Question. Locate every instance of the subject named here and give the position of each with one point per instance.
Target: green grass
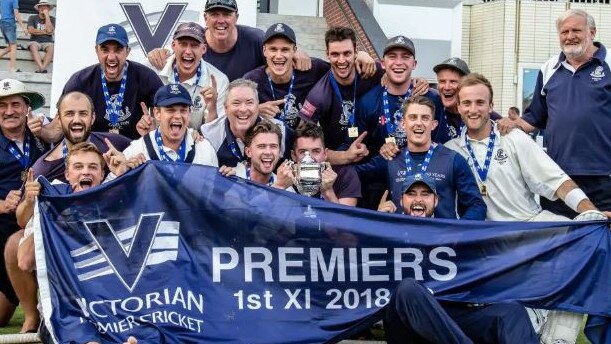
(15, 326)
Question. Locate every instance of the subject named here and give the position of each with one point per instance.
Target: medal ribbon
(482, 172)
(24, 158)
(113, 109)
(182, 150)
(271, 180)
(338, 94)
(197, 79)
(425, 163)
(286, 104)
(390, 123)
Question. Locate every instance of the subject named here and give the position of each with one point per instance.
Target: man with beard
(227, 135)
(414, 313)
(19, 148)
(282, 88)
(206, 84)
(75, 116)
(173, 140)
(572, 102)
(380, 112)
(511, 170)
(449, 73)
(116, 85)
(459, 196)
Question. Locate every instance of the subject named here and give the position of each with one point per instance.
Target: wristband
(574, 197)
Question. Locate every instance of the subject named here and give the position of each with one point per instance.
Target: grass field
(15, 325)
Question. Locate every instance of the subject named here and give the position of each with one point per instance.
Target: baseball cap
(453, 63)
(172, 94)
(229, 5)
(400, 42)
(411, 180)
(280, 30)
(112, 32)
(12, 87)
(191, 30)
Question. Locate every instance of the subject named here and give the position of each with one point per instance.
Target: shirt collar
(599, 55)
(463, 133)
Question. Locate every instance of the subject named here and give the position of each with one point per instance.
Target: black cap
(453, 63)
(191, 30)
(172, 94)
(400, 42)
(280, 30)
(229, 5)
(419, 178)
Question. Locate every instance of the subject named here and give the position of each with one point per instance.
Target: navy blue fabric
(575, 111)
(459, 196)
(414, 316)
(206, 234)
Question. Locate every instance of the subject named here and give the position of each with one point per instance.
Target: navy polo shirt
(456, 187)
(574, 108)
(10, 174)
(244, 56)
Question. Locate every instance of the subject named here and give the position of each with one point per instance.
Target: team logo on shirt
(598, 73)
(290, 117)
(500, 156)
(198, 103)
(452, 131)
(347, 108)
(124, 114)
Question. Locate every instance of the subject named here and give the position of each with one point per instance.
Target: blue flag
(176, 253)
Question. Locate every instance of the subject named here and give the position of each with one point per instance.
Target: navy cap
(280, 30)
(112, 32)
(400, 42)
(418, 178)
(453, 63)
(172, 94)
(229, 5)
(191, 30)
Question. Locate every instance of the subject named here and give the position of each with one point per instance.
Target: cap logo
(452, 61)
(279, 28)
(6, 86)
(400, 40)
(112, 30)
(174, 89)
(418, 176)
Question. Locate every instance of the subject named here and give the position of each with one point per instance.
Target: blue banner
(176, 253)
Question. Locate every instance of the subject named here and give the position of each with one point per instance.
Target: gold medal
(353, 132)
(114, 130)
(483, 191)
(391, 139)
(24, 176)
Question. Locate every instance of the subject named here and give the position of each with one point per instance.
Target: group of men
(254, 104)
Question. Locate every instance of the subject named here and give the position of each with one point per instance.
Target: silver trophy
(308, 175)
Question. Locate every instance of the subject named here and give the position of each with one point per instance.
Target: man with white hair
(572, 102)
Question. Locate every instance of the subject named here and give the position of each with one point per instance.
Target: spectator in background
(10, 17)
(41, 27)
(513, 113)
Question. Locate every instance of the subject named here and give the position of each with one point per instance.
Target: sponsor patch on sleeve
(308, 109)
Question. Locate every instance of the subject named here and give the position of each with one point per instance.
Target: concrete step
(34, 82)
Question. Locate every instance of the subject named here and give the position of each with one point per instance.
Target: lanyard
(271, 179)
(338, 94)
(182, 150)
(24, 158)
(64, 149)
(425, 163)
(197, 79)
(113, 109)
(482, 172)
(288, 95)
(391, 123)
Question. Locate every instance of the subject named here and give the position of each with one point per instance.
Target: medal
(353, 132)
(23, 158)
(113, 109)
(392, 124)
(391, 139)
(24, 176)
(482, 189)
(482, 172)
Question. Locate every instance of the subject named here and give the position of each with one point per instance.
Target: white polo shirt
(204, 153)
(240, 171)
(199, 105)
(519, 169)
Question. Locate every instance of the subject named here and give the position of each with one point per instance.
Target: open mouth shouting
(188, 62)
(176, 128)
(418, 209)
